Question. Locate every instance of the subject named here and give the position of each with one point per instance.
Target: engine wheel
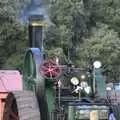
(21, 105)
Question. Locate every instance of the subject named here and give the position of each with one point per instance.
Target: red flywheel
(49, 69)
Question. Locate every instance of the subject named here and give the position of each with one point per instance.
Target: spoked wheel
(21, 106)
(50, 70)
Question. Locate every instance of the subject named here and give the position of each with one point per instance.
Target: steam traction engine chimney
(33, 59)
(36, 31)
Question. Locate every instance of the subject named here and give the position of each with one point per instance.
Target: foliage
(104, 45)
(79, 29)
(12, 34)
(108, 12)
(70, 22)
(91, 27)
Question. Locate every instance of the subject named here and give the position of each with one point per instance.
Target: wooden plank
(94, 115)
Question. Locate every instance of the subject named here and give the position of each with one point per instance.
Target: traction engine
(52, 91)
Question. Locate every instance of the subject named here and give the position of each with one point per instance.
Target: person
(111, 115)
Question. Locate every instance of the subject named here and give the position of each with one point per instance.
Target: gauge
(74, 81)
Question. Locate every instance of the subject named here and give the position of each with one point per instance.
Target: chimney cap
(36, 17)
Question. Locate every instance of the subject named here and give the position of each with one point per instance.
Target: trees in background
(107, 12)
(104, 42)
(71, 20)
(92, 27)
(103, 45)
(12, 35)
(80, 30)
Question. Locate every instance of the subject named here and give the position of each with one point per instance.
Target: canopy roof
(10, 80)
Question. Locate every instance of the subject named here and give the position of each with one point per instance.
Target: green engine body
(56, 97)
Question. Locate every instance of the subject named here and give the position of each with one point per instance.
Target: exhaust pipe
(36, 31)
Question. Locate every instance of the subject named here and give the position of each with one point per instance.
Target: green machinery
(52, 91)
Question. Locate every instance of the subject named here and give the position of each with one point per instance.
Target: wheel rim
(10, 109)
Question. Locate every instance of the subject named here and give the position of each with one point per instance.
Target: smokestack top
(36, 17)
(36, 20)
